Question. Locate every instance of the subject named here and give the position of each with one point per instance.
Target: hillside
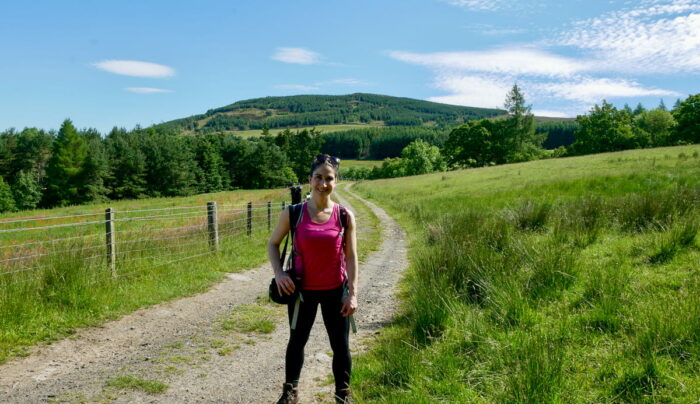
(570, 280)
(314, 110)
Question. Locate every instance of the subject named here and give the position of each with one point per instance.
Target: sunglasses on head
(323, 158)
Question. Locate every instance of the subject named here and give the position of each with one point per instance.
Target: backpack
(295, 214)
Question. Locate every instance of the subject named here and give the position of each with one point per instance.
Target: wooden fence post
(269, 215)
(111, 243)
(212, 226)
(283, 205)
(250, 218)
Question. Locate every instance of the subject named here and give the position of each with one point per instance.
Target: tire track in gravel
(183, 344)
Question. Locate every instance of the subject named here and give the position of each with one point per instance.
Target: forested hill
(311, 110)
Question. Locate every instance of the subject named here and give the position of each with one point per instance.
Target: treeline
(604, 129)
(310, 110)
(47, 169)
(379, 143)
(516, 138)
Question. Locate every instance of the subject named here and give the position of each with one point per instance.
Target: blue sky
(123, 63)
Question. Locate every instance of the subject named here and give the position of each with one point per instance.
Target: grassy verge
(368, 232)
(569, 280)
(69, 284)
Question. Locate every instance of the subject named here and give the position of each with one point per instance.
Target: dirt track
(182, 343)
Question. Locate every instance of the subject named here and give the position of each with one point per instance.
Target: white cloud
(147, 90)
(593, 90)
(550, 113)
(659, 36)
(296, 55)
(473, 91)
(296, 87)
(479, 5)
(512, 61)
(135, 68)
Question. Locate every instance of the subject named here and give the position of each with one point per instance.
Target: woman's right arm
(284, 282)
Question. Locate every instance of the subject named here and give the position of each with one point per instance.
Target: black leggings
(337, 326)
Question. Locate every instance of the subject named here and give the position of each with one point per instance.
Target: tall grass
(68, 284)
(572, 286)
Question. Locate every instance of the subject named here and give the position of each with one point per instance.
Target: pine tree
(65, 168)
(521, 139)
(95, 170)
(640, 108)
(662, 105)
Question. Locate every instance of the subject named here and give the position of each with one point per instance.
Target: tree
(639, 109)
(687, 116)
(603, 129)
(662, 105)
(26, 191)
(677, 104)
(95, 170)
(7, 202)
(300, 147)
(657, 123)
(127, 176)
(521, 137)
(419, 157)
(472, 145)
(64, 171)
(262, 165)
(212, 174)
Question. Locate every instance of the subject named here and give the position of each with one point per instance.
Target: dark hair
(327, 159)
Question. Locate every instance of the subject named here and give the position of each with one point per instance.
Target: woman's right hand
(284, 283)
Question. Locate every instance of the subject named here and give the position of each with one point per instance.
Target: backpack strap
(295, 213)
(343, 217)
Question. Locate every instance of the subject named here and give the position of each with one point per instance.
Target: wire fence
(116, 244)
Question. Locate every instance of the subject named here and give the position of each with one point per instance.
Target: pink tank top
(321, 259)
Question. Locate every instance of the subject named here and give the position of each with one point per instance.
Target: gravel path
(185, 344)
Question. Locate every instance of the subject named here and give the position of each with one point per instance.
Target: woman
(327, 264)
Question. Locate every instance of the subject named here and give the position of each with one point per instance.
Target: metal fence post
(250, 218)
(269, 215)
(212, 226)
(283, 205)
(111, 243)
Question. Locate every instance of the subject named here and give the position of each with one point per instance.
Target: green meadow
(570, 280)
(162, 251)
(345, 164)
(56, 279)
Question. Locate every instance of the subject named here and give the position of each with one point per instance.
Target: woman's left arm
(350, 302)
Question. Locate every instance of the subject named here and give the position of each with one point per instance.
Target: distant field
(571, 280)
(322, 128)
(345, 164)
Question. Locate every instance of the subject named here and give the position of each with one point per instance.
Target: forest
(309, 110)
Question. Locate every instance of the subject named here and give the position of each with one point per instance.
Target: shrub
(531, 215)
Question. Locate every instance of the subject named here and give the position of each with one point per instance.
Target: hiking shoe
(290, 394)
(343, 397)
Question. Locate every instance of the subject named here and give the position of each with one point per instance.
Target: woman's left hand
(349, 305)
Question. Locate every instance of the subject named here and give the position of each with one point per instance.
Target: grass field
(321, 128)
(559, 281)
(56, 279)
(345, 164)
